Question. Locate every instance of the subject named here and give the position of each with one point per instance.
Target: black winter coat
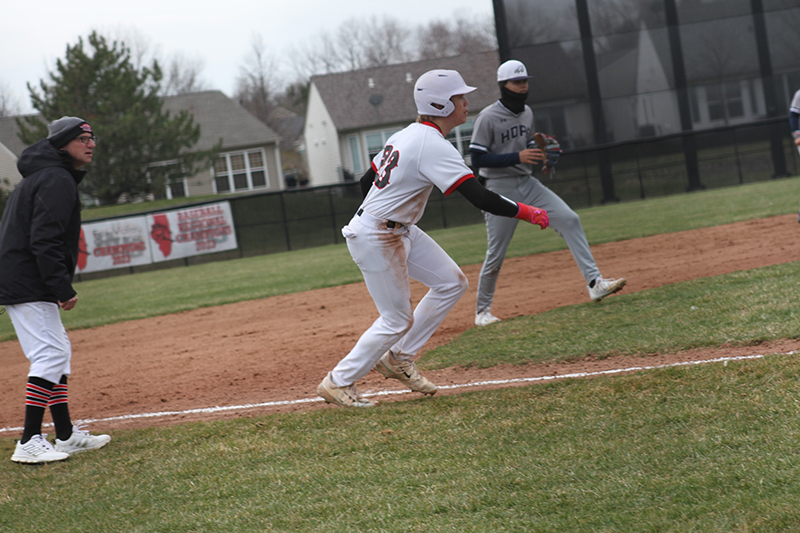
(40, 229)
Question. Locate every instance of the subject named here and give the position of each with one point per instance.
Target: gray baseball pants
(500, 230)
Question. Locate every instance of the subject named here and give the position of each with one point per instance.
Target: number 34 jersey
(412, 162)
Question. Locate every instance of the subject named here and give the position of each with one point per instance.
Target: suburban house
(9, 175)
(351, 114)
(248, 161)
(10, 149)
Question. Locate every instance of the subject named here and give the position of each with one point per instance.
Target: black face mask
(514, 102)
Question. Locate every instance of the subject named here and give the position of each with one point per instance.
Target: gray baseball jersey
(499, 131)
(795, 106)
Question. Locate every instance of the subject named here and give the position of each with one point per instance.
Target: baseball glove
(552, 150)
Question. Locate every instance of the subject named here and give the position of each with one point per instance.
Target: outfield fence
(302, 218)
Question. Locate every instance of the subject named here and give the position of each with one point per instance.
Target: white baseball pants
(388, 258)
(43, 339)
(500, 230)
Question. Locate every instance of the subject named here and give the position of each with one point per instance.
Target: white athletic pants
(500, 230)
(43, 339)
(388, 258)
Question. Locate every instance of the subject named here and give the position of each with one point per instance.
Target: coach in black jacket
(39, 236)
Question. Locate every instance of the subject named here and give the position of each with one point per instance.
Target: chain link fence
(309, 217)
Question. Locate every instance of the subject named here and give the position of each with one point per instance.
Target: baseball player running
(390, 249)
(794, 123)
(504, 147)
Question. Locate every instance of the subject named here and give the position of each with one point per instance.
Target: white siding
(322, 142)
(275, 169)
(8, 168)
(201, 184)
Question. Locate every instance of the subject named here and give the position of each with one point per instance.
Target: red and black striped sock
(37, 395)
(59, 409)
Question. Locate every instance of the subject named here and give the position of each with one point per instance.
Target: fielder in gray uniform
(794, 123)
(503, 147)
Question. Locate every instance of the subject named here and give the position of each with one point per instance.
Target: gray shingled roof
(353, 104)
(9, 134)
(218, 116)
(221, 117)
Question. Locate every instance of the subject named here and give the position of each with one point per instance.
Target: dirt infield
(279, 348)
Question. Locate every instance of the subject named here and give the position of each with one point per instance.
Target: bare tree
(386, 42)
(435, 40)
(347, 50)
(462, 36)
(258, 81)
(356, 44)
(183, 76)
(9, 105)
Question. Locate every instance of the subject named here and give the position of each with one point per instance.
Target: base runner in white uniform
(390, 249)
(503, 147)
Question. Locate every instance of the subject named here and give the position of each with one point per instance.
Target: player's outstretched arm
(486, 160)
(493, 203)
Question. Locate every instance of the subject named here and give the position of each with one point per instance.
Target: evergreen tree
(122, 105)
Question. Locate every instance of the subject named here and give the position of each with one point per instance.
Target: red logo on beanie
(86, 127)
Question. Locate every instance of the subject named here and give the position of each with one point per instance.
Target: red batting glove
(534, 215)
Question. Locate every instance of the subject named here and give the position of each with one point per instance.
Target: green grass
(742, 308)
(161, 292)
(709, 448)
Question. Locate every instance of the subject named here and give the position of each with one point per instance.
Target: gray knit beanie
(63, 130)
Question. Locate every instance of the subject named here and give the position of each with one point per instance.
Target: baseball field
(672, 406)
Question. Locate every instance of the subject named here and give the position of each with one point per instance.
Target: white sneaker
(342, 396)
(37, 450)
(81, 441)
(484, 318)
(604, 287)
(406, 372)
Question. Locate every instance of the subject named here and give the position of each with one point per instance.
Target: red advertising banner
(142, 240)
(193, 231)
(114, 244)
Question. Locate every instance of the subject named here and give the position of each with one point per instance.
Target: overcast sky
(220, 34)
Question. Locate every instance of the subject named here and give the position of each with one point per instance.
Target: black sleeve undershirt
(366, 182)
(474, 192)
(487, 200)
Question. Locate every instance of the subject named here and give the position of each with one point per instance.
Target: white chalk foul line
(218, 409)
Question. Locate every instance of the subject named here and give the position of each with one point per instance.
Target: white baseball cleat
(37, 450)
(604, 287)
(484, 318)
(406, 372)
(81, 441)
(342, 396)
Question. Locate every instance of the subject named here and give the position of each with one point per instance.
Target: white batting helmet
(512, 70)
(433, 90)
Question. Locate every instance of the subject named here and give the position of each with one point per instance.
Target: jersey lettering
(514, 132)
(389, 161)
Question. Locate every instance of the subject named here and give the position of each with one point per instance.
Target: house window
(355, 154)
(460, 136)
(376, 141)
(240, 171)
(725, 101)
